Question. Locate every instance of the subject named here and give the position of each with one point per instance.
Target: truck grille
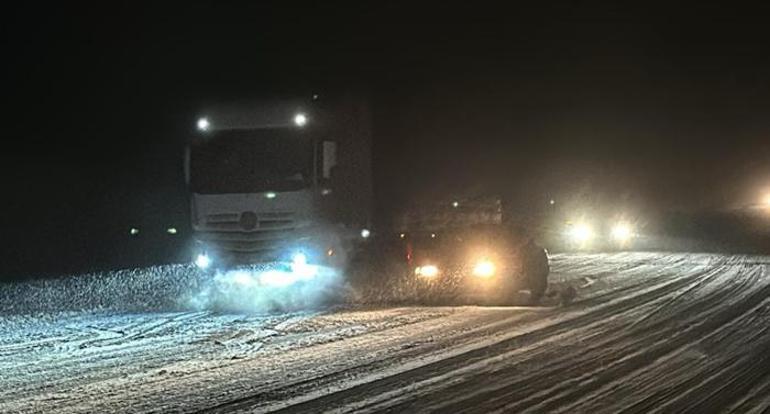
(257, 236)
(250, 221)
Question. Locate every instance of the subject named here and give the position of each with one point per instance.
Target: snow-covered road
(646, 332)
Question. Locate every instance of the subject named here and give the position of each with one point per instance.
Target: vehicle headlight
(426, 271)
(580, 233)
(622, 232)
(484, 268)
(299, 259)
(203, 261)
(300, 266)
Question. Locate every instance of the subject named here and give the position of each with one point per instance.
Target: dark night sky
(665, 106)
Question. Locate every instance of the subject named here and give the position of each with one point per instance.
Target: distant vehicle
(285, 182)
(465, 244)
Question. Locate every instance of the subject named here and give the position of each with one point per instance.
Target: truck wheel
(538, 284)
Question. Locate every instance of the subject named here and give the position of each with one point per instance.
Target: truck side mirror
(328, 158)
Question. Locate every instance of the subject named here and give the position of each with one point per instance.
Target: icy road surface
(646, 332)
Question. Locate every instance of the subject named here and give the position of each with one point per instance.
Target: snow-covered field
(645, 332)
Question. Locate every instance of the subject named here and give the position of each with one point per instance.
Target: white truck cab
(279, 182)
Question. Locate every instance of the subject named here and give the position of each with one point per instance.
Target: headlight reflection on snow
(426, 271)
(286, 286)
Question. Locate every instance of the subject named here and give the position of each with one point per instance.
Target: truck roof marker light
(203, 124)
(300, 120)
(271, 195)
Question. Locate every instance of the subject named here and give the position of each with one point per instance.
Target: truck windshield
(249, 161)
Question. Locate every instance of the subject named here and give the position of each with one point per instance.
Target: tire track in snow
(477, 394)
(647, 322)
(628, 301)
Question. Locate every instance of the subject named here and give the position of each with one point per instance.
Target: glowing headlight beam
(300, 120)
(301, 268)
(580, 233)
(484, 268)
(299, 259)
(426, 271)
(621, 232)
(203, 261)
(203, 124)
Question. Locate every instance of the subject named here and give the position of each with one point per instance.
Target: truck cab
(279, 182)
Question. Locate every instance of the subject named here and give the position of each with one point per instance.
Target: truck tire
(535, 271)
(538, 283)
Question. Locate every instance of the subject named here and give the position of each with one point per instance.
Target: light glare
(203, 124)
(243, 279)
(484, 268)
(300, 268)
(300, 120)
(580, 233)
(621, 232)
(426, 271)
(299, 259)
(202, 261)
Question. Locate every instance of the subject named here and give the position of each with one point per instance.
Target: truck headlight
(622, 232)
(484, 268)
(299, 259)
(426, 271)
(203, 261)
(300, 267)
(580, 233)
(300, 119)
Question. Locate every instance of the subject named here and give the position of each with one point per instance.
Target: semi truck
(288, 184)
(282, 182)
